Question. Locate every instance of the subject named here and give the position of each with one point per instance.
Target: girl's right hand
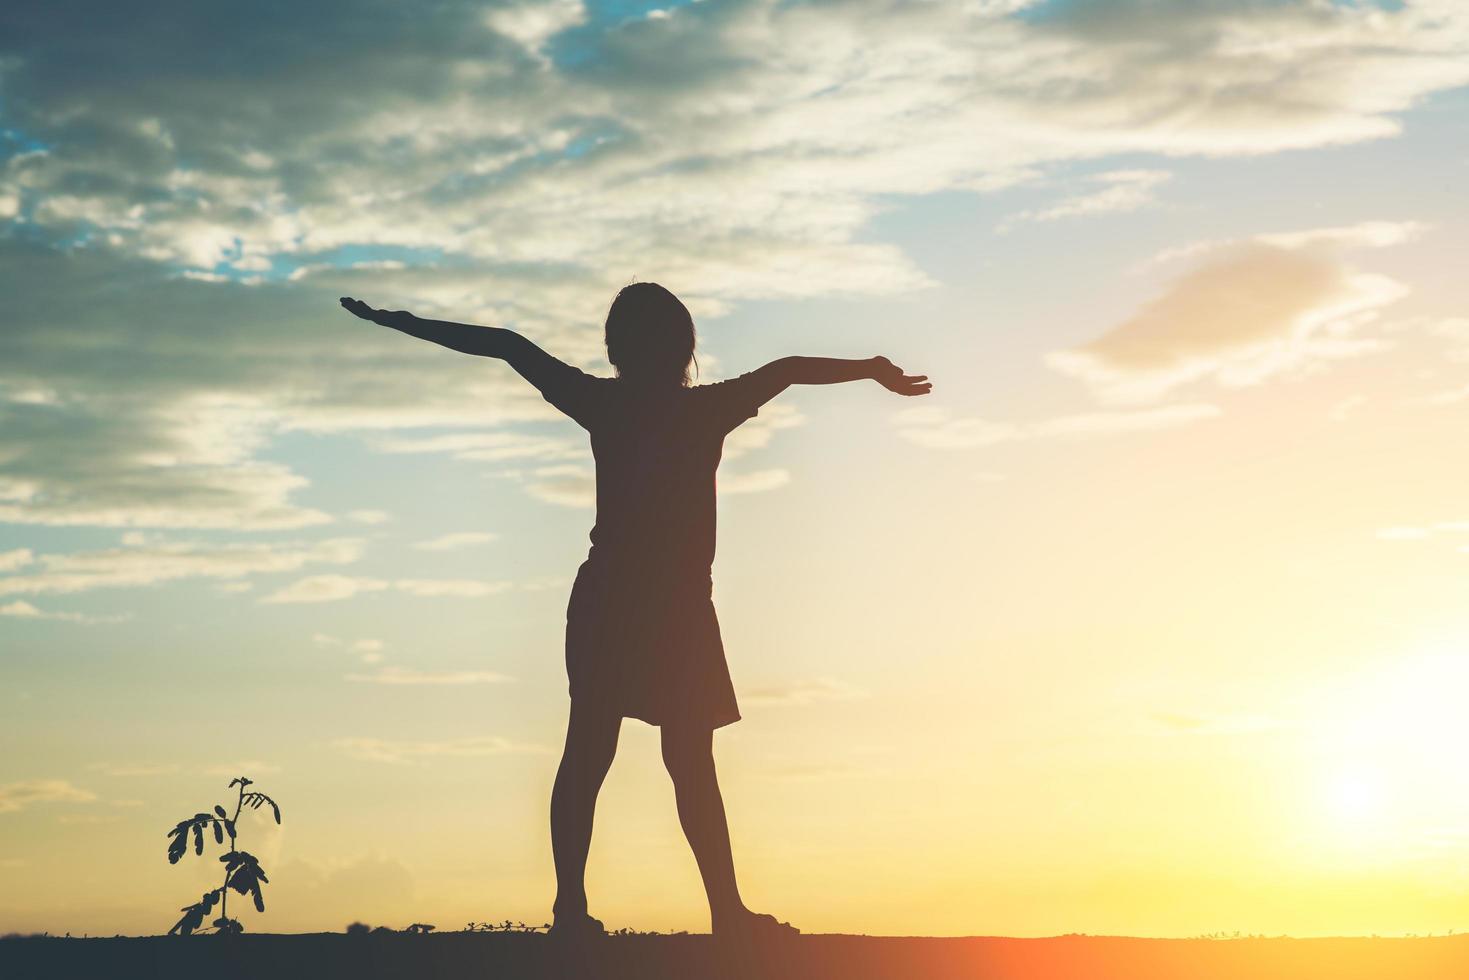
(891, 377)
(358, 308)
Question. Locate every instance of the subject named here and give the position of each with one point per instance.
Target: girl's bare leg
(591, 742)
(689, 755)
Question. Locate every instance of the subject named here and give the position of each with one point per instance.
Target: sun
(1389, 756)
(1355, 795)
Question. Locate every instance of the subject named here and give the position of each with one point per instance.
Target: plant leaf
(180, 841)
(219, 810)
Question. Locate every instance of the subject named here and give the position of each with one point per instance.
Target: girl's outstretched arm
(777, 376)
(528, 360)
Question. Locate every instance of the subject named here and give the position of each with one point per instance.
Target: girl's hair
(650, 334)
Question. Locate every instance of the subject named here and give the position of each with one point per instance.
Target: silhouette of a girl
(642, 640)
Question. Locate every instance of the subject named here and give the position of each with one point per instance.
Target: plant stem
(224, 889)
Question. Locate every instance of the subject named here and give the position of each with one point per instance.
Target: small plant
(241, 871)
(506, 926)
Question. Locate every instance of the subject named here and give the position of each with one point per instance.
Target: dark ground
(478, 955)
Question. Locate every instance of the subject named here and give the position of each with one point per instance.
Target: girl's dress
(642, 637)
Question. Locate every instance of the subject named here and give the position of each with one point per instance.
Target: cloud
(15, 797)
(1248, 311)
(1346, 407)
(249, 767)
(459, 588)
(758, 432)
(1422, 532)
(369, 517)
(756, 481)
(802, 772)
(803, 692)
(172, 388)
(16, 558)
(391, 751)
(332, 588)
(535, 22)
(325, 588)
(170, 304)
(576, 486)
(567, 486)
(21, 609)
(936, 427)
(1176, 723)
(487, 447)
(164, 560)
(136, 770)
(406, 676)
(457, 541)
(326, 893)
(1121, 190)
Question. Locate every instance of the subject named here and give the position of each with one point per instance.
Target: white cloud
(249, 767)
(162, 561)
(25, 610)
(15, 797)
(370, 517)
(1402, 533)
(758, 432)
(1121, 190)
(755, 481)
(1422, 532)
(1247, 311)
(1345, 408)
(486, 447)
(16, 558)
(935, 427)
(1177, 723)
(568, 486)
(739, 148)
(803, 692)
(408, 677)
(457, 541)
(456, 587)
(533, 22)
(325, 588)
(392, 751)
(333, 588)
(136, 770)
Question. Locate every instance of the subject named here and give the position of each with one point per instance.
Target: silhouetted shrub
(242, 872)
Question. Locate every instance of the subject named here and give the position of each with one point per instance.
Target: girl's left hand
(358, 308)
(891, 377)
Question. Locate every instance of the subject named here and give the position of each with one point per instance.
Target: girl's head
(650, 335)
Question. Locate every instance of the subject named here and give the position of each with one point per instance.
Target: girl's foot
(753, 926)
(576, 927)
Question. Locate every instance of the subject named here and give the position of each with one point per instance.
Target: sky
(1149, 620)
